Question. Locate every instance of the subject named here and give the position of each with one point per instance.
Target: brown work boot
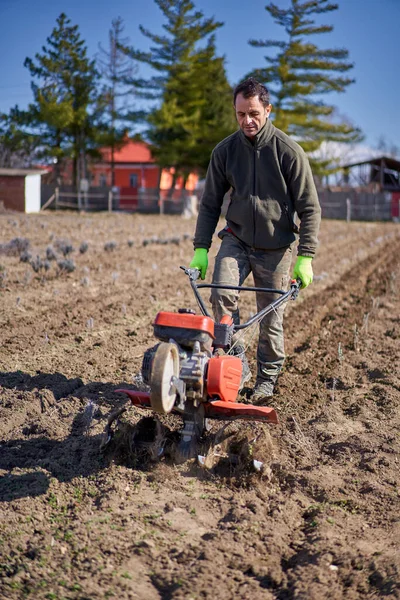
(263, 391)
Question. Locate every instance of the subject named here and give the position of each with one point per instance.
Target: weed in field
(68, 535)
(393, 287)
(39, 265)
(126, 575)
(334, 383)
(25, 256)
(78, 494)
(65, 266)
(3, 276)
(340, 353)
(299, 438)
(88, 413)
(64, 247)
(83, 247)
(364, 327)
(27, 278)
(376, 302)
(50, 254)
(110, 246)
(92, 491)
(52, 500)
(15, 247)
(347, 505)
(355, 339)
(131, 243)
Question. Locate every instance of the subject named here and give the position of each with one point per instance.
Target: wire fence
(106, 199)
(358, 206)
(349, 205)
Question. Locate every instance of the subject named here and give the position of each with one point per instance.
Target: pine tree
(117, 71)
(300, 73)
(190, 81)
(67, 108)
(195, 114)
(218, 118)
(17, 148)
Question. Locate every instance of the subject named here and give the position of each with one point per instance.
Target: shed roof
(21, 172)
(386, 161)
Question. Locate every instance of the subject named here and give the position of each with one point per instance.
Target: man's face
(251, 114)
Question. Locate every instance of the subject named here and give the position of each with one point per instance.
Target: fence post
(57, 196)
(110, 199)
(348, 210)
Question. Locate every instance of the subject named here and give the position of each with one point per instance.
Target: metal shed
(368, 190)
(379, 174)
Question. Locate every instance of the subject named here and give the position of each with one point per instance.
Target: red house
(139, 179)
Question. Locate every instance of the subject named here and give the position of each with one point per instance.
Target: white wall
(32, 193)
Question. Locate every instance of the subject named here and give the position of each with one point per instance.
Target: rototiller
(191, 370)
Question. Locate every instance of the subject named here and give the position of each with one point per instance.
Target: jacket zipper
(292, 224)
(254, 194)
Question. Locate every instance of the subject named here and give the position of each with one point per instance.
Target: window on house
(133, 180)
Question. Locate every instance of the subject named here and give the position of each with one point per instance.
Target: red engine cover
(223, 377)
(186, 321)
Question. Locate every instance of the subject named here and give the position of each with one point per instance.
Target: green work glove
(303, 270)
(200, 261)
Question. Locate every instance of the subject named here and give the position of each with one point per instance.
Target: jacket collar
(262, 137)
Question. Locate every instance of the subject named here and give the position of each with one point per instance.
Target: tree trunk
(184, 182)
(172, 188)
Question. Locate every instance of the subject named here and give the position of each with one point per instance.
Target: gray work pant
(234, 262)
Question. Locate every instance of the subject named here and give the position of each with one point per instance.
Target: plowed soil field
(321, 521)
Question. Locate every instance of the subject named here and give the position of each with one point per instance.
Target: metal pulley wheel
(165, 366)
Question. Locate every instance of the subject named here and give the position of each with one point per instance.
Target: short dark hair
(249, 88)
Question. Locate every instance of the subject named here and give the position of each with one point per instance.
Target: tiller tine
(137, 398)
(195, 418)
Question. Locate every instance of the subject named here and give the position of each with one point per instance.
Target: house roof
(385, 161)
(21, 172)
(131, 152)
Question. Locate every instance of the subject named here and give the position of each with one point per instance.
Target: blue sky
(367, 28)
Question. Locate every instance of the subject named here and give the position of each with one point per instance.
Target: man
(270, 180)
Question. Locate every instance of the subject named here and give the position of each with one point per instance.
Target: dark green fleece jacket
(270, 181)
